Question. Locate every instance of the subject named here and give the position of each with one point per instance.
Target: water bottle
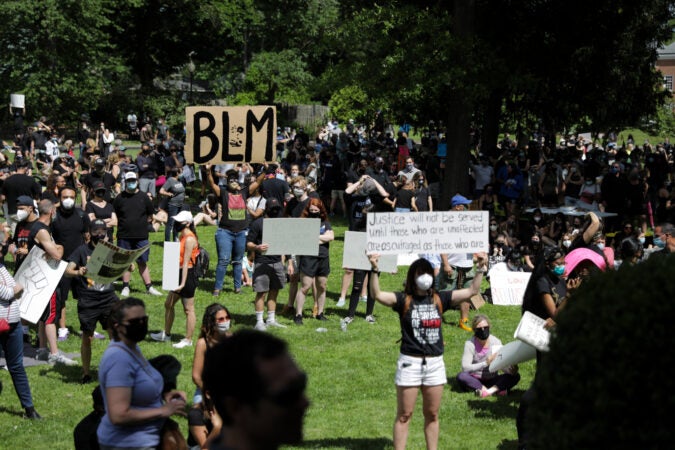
(321, 330)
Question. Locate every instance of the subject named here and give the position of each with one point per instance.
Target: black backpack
(202, 261)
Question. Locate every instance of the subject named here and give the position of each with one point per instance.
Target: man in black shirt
(15, 186)
(269, 275)
(271, 186)
(98, 174)
(134, 212)
(94, 299)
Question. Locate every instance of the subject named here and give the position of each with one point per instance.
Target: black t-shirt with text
(421, 332)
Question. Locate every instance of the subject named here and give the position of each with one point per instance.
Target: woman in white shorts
(420, 363)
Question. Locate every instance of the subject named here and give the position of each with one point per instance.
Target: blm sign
(230, 134)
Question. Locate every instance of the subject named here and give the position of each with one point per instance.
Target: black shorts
(52, 312)
(314, 266)
(191, 283)
(90, 316)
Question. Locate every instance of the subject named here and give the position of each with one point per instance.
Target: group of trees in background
(516, 65)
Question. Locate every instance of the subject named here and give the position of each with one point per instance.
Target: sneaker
(363, 299)
(348, 320)
(63, 334)
(161, 337)
(321, 317)
(32, 414)
(60, 358)
(98, 335)
(298, 319)
(503, 393)
(42, 354)
(464, 325)
(260, 326)
(275, 324)
(237, 290)
(370, 318)
(153, 291)
(340, 303)
(125, 291)
(215, 293)
(482, 393)
(182, 344)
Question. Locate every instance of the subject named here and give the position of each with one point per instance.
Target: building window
(668, 82)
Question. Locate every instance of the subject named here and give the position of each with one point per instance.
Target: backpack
(201, 264)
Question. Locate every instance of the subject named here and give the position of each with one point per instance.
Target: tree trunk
(456, 174)
(490, 132)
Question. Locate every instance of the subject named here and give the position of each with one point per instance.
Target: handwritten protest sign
(108, 262)
(230, 134)
(291, 236)
(39, 275)
(427, 232)
(507, 287)
(354, 255)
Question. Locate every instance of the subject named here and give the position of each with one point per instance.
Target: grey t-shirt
(177, 188)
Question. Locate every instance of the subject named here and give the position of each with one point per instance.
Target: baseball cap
(98, 186)
(183, 216)
(130, 176)
(99, 162)
(460, 200)
(97, 224)
(24, 200)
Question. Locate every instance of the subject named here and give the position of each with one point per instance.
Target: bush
(605, 382)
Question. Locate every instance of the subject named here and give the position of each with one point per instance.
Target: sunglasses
(137, 321)
(289, 394)
(482, 328)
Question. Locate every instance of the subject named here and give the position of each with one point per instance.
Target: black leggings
(357, 286)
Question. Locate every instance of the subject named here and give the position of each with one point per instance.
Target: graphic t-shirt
(421, 333)
(234, 210)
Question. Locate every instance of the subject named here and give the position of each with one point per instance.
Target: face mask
(559, 270)
(641, 240)
(361, 170)
(482, 333)
(314, 214)
(424, 282)
(68, 203)
(100, 194)
(22, 214)
(409, 166)
(600, 246)
(95, 238)
(280, 176)
(298, 192)
(537, 219)
(493, 227)
(535, 243)
(223, 327)
(131, 186)
(566, 243)
(294, 174)
(660, 243)
(136, 331)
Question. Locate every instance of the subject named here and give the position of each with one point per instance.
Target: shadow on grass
(508, 445)
(349, 443)
(68, 374)
(12, 411)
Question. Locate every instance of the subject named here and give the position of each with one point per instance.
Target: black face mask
(179, 226)
(95, 238)
(482, 333)
(314, 215)
(136, 330)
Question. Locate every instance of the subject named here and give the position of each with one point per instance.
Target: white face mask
(21, 214)
(566, 243)
(68, 203)
(424, 282)
(493, 227)
(224, 326)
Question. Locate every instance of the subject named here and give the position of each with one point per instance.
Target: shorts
(190, 287)
(269, 277)
(89, 317)
(411, 372)
(52, 312)
(134, 244)
(337, 194)
(313, 266)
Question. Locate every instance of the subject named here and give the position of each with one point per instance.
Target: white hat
(183, 216)
(130, 176)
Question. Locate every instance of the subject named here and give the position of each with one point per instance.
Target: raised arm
(386, 298)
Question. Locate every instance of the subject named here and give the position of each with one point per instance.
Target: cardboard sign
(171, 272)
(108, 262)
(427, 232)
(354, 255)
(508, 287)
(291, 236)
(230, 134)
(39, 275)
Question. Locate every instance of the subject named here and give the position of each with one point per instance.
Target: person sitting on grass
(479, 351)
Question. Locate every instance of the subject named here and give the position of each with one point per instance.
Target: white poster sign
(17, 100)
(427, 232)
(108, 262)
(171, 266)
(292, 236)
(531, 330)
(507, 287)
(39, 275)
(354, 255)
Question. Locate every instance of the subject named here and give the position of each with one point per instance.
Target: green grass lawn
(351, 386)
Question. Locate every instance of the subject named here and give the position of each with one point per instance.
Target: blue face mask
(660, 243)
(559, 270)
(641, 240)
(131, 185)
